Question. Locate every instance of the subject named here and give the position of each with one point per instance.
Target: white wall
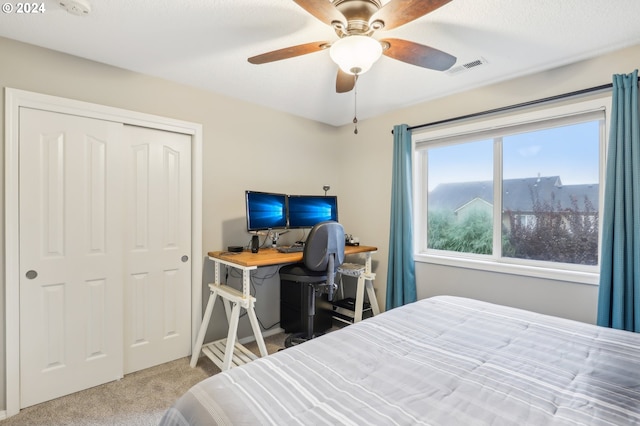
(249, 147)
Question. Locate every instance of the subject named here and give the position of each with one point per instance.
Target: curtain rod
(510, 107)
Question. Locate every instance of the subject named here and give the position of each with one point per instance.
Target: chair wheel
(294, 340)
(298, 338)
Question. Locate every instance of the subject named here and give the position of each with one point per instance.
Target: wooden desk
(271, 256)
(226, 353)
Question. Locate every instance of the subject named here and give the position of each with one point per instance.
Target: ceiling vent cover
(466, 67)
(76, 7)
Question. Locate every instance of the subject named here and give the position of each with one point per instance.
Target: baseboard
(3, 414)
(248, 339)
(267, 333)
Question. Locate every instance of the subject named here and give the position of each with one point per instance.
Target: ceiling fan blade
(345, 82)
(289, 52)
(324, 10)
(399, 12)
(418, 54)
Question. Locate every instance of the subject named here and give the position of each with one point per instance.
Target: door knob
(185, 258)
(31, 274)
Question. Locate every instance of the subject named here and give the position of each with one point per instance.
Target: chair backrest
(324, 251)
(325, 242)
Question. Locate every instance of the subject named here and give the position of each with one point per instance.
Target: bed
(439, 361)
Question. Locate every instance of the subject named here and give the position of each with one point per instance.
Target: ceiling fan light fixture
(355, 54)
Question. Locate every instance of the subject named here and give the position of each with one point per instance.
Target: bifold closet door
(71, 227)
(158, 247)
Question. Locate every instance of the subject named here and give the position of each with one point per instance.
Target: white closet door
(158, 248)
(70, 254)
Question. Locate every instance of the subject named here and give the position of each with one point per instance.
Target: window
(519, 193)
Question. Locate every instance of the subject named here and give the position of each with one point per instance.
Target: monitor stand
(275, 236)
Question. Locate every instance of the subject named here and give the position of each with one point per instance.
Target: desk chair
(323, 254)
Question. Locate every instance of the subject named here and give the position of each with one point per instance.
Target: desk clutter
(296, 248)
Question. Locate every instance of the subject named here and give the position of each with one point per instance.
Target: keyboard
(290, 249)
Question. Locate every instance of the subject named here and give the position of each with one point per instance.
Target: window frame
(443, 134)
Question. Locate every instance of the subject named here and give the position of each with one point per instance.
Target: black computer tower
(294, 308)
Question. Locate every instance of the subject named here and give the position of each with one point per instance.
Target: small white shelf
(215, 352)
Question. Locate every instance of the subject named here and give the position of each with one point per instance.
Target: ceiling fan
(355, 21)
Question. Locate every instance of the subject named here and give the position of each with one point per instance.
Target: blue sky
(570, 152)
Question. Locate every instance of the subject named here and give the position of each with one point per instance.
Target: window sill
(580, 277)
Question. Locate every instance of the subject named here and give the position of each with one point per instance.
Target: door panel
(71, 236)
(158, 238)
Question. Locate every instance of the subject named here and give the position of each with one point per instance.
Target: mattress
(439, 361)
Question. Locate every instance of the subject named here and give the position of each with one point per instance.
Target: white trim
(520, 118)
(12, 250)
(493, 265)
(14, 100)
(251, 338)
(446, 134)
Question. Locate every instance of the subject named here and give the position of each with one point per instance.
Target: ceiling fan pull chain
(355, 105)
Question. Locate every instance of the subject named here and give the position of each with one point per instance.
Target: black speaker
(255, 243)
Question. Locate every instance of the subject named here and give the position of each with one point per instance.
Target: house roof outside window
(519, 195)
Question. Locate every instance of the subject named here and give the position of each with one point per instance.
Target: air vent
(466, 67)
(76, 7)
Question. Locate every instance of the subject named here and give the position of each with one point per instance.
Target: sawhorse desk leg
(227, 352)
(195, 354)
(365, 282)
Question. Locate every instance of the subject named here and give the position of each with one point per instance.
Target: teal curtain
(401, 277)
(619, 292)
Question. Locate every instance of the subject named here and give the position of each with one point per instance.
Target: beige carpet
(140, 398)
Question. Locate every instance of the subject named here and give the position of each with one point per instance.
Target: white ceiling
(206, 43)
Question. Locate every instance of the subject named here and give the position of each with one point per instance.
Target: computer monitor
(307, 210)
(265, 210)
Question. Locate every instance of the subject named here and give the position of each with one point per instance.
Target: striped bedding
(439, 361)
